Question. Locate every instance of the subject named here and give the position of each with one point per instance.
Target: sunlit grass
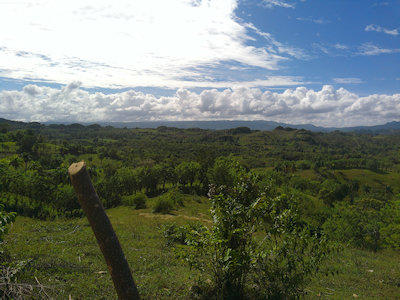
(64, 256)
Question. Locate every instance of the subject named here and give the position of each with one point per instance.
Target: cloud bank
(326, 107)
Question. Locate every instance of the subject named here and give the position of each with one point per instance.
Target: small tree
(26, 142)
(275, 262)
(225, 171)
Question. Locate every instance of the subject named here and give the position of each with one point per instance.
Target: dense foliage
(348, 182)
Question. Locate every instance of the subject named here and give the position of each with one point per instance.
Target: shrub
(179, 234)
(6, 218)
(138, 200)
(241, 263)
(65, 198)
(168, 202)
(175, 197)
(163, 205)
(26, 206)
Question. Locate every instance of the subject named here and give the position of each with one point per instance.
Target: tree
(226, 171)
(26, 142)
(4, 127)
(148, 178)
(166, 173)
(187, 172)
(359, 224)
(126, 180)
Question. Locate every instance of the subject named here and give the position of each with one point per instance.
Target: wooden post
(104, 232)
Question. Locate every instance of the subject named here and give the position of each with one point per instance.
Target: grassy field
(63, 255)
(368, 177)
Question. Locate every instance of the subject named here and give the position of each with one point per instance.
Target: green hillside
(203, 213)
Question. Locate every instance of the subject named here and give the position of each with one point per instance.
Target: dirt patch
(169, 217)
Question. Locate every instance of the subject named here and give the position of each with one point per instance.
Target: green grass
(366, 274)
(309, 174)
(371, 178)
(65, 256)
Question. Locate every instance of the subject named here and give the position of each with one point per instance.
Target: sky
(325, 62)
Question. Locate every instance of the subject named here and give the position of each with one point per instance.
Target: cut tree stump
(104, 232)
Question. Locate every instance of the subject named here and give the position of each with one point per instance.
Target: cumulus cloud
(127, 43)
(327, 107)
(377, 28)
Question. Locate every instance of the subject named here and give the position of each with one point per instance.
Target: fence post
(104, 232)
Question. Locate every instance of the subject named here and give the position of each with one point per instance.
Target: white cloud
(280, 3)
(377, 28)
(321, 47)
(371, 49)
(347, 80)
(277, 47)
(126, 43)
(340, 46)
(313, 20)
(328, 106)
(380, 3)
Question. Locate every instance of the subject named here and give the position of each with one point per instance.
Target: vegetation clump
(168, 202)
(137, 201)
(257, 245)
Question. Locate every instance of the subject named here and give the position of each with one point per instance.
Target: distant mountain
(253, 125)
(21, 125)
(385, 128)
(211, 125)
(219, 125)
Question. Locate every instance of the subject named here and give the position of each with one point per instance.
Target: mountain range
(220, 125)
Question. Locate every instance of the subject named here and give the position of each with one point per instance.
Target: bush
(65, 198)
(26, 206)
(5, 220)
(138, 200)
(163, 205)
(241, 263)
(168, 202)
(179, 234)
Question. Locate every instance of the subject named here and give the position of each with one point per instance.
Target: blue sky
(335, 36)
(333, 63)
